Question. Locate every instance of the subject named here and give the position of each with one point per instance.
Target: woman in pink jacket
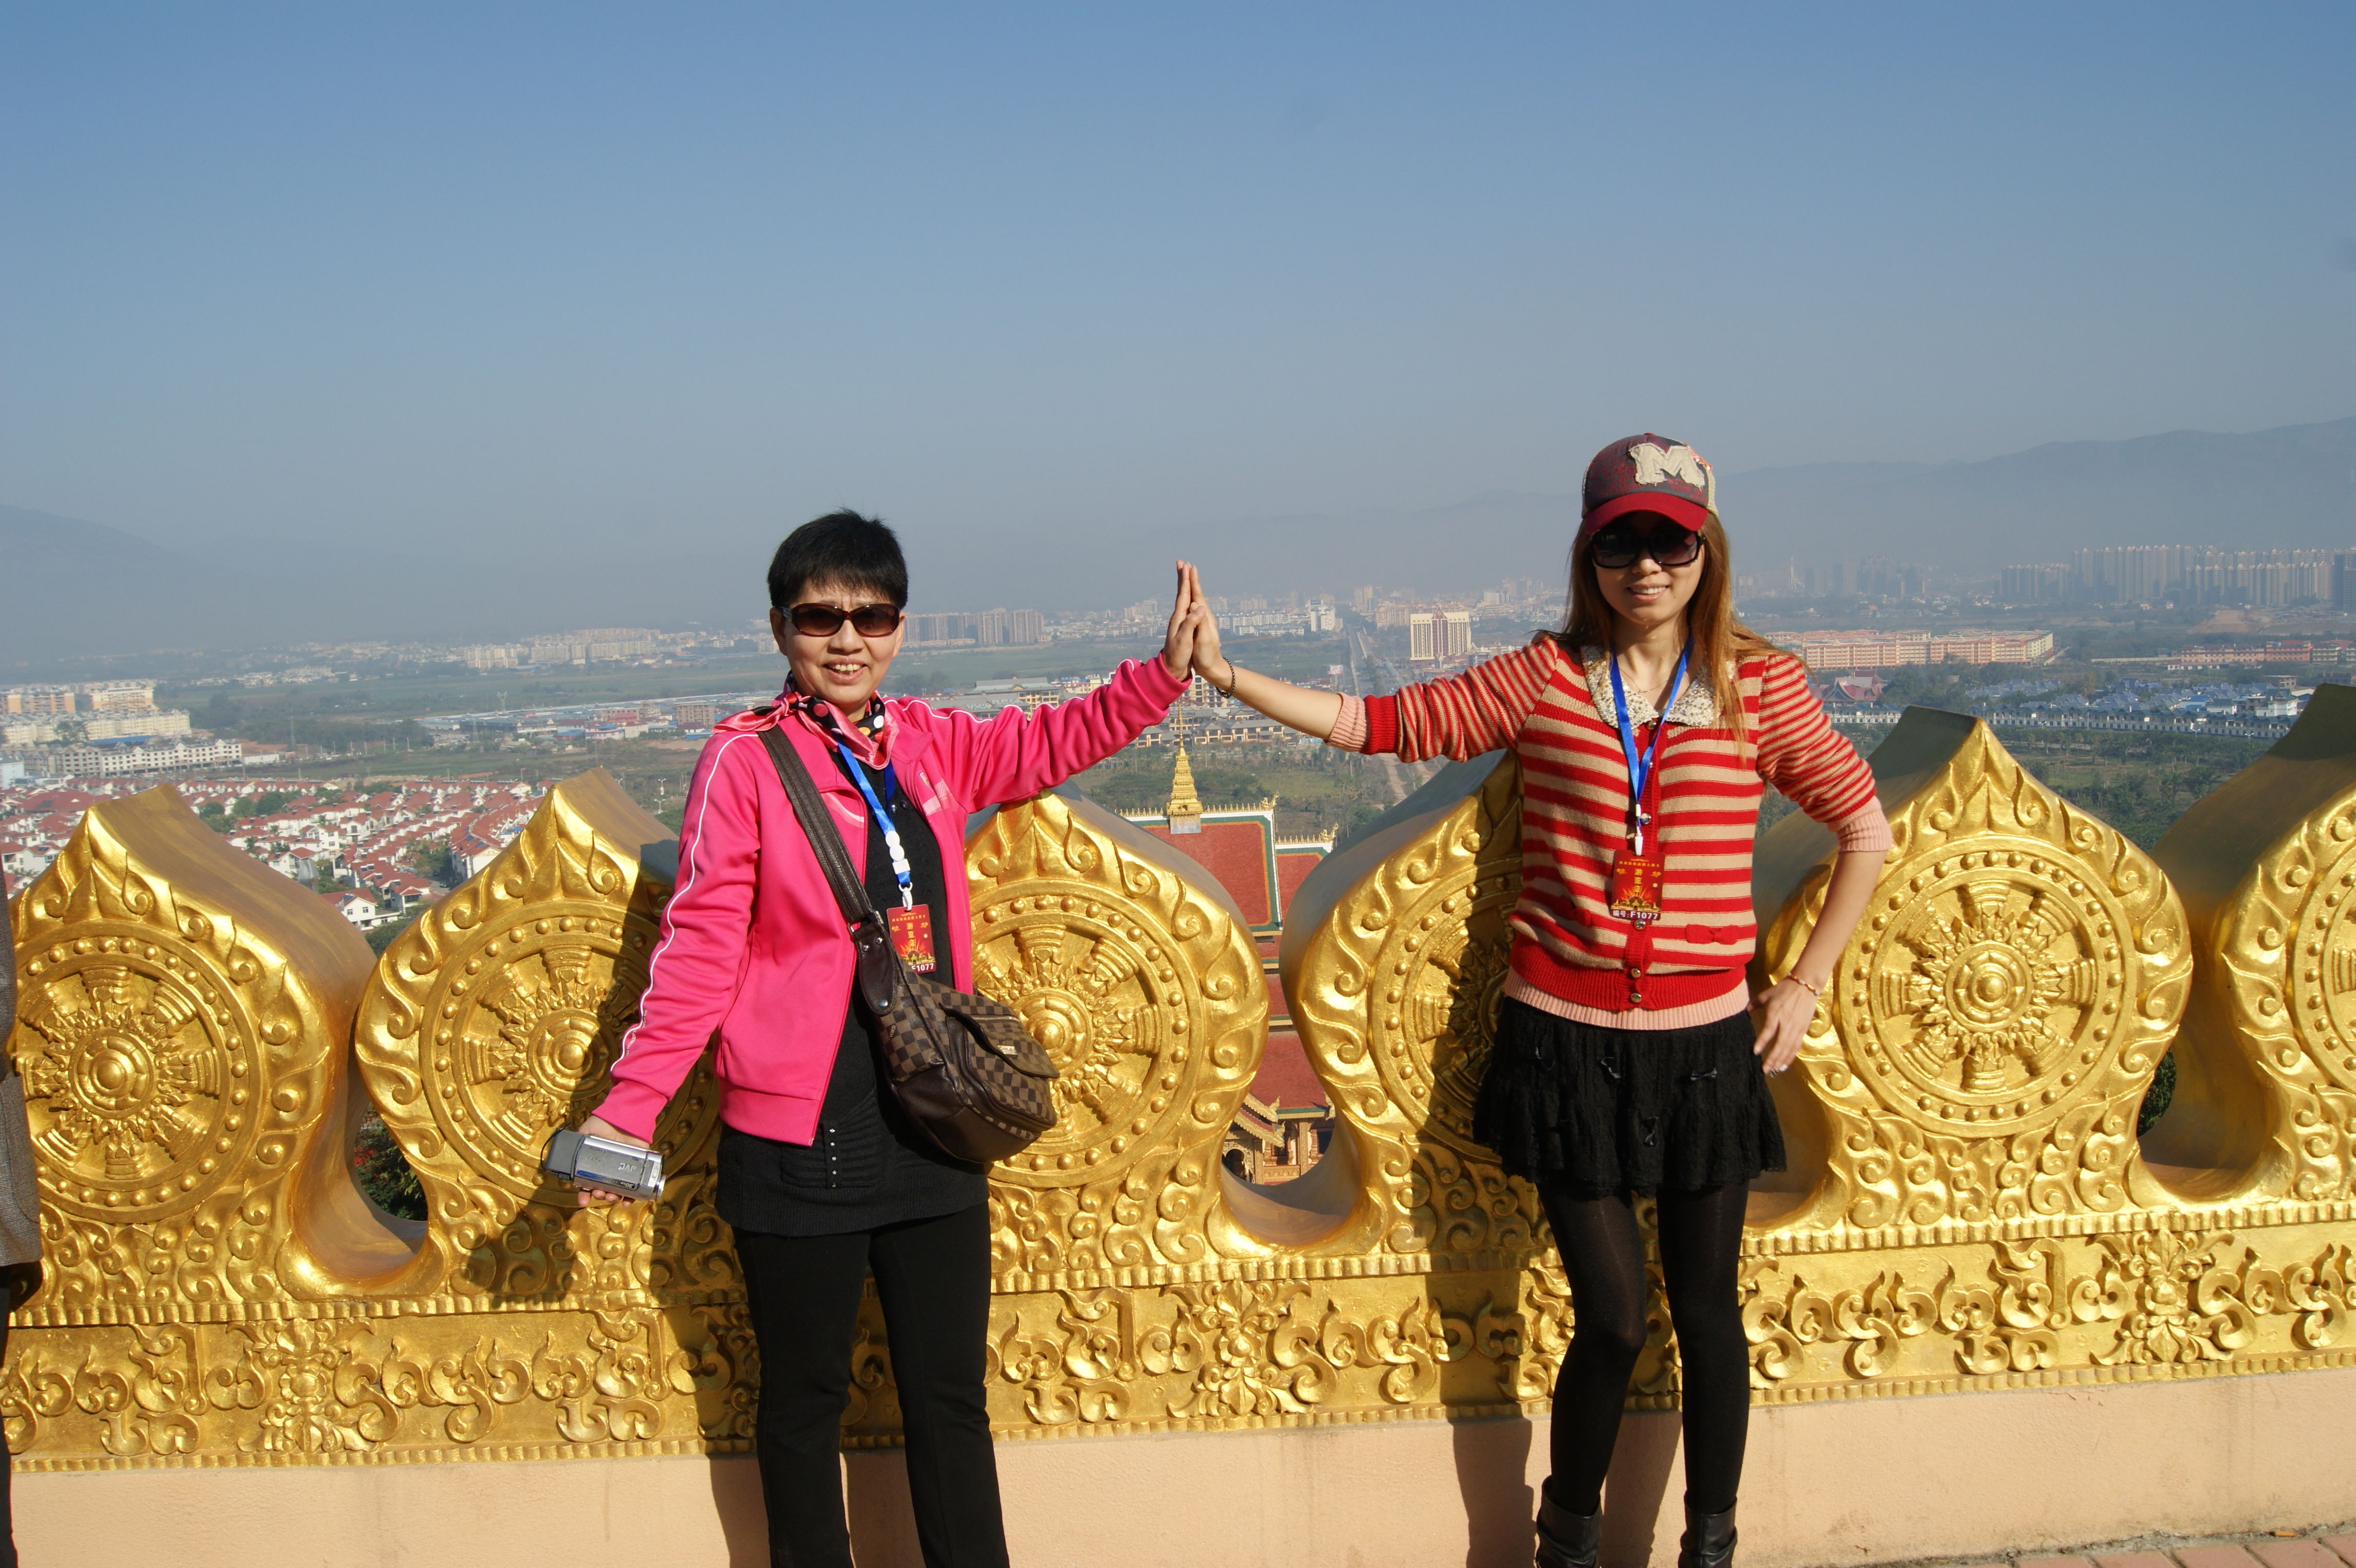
(821, 1175)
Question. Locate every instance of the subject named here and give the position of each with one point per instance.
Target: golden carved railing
(1968, 1205)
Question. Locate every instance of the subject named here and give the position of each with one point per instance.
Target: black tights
(1701, 1238)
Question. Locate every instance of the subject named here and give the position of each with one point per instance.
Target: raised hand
(1207, 663)
(1186, 616)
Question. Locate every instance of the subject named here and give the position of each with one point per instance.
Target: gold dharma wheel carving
(1992, 994)
(180, 1015)
(139, 1073)
(1126, 964)
(493, 1019)
(1102, 995)
(1999, 1011)
(526, 1021)
(2322, 927)
(1440, 961)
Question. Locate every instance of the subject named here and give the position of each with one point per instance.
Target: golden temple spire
(1185, 810)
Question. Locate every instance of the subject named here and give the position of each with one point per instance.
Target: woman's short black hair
(840, 547)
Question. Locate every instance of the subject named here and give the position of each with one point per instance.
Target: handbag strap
(878, 964)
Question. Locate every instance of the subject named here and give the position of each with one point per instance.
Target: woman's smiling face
(843, 668)
(1644, 593)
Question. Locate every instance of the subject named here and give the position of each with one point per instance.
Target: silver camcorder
(603, 1163)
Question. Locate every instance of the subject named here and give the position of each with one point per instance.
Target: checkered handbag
(963, 1068)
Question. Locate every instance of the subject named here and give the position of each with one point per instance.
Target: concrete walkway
(2322, 1546)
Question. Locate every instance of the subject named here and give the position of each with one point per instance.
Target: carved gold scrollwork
(1967, 1206)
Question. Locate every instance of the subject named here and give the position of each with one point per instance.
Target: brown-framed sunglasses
(825, 620)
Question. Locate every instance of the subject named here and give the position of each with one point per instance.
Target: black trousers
(933, 1276)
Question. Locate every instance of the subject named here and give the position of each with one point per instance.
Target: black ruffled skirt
(1594, 1112)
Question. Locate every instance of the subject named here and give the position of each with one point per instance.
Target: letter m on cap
(1658, 464)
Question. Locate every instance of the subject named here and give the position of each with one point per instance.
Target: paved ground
(2322, 1546)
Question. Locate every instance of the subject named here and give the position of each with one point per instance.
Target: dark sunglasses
(825, 620)
(1667, 544)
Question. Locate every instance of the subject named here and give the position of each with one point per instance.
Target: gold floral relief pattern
(1969, 1208)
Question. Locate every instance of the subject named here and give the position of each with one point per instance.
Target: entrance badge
(1636, 891)
(912, 936)
(1634, 894)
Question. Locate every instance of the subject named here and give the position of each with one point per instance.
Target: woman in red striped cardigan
(1629, 1053)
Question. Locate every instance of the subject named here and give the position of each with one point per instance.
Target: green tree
(381, 938)
(430, 858)
(384, 1172)
(71, 731)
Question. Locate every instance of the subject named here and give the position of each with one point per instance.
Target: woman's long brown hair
(1720, 642)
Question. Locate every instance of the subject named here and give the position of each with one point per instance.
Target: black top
(868, 1166)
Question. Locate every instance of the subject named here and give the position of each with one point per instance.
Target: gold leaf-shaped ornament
(182, 1023)
(1136, 973)
(493, 1020)
(1993, 1022)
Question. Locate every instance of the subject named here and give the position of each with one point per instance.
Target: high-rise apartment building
(1002, 628)
(2343, 579)
(935, 631)
(2202, 574)
(1457, 625)
(2035, 583)
(1362, 600)
(1419, 649)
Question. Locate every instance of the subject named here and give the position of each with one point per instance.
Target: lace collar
(1697, 705)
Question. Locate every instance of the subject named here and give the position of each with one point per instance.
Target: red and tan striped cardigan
(1569, 955)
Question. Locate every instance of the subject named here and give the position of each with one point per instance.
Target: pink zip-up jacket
(753, 944)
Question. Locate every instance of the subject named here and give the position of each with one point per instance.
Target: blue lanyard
(883, 819)
(1640, 764)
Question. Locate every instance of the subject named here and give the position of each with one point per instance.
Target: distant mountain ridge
(114, 592)
(2293, 487)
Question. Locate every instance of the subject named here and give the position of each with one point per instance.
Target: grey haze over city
(442, 322)
(2289, 488)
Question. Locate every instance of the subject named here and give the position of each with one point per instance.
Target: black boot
(1710, 1540)
(1567, 1540)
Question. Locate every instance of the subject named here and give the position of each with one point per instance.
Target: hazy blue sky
(515, 272)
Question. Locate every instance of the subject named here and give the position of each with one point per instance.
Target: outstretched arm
(1296, 707)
